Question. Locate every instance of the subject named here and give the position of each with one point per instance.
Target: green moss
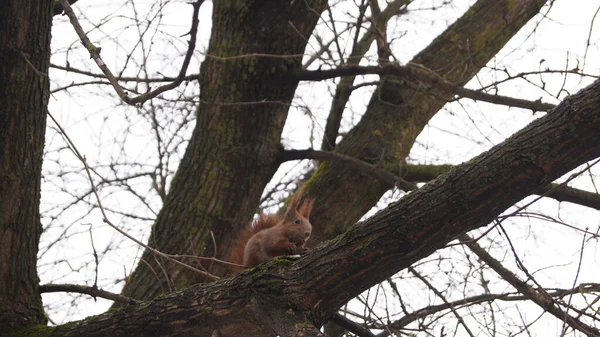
(112, 309)
(302, 327)
(182, 283)
(513, 4)
(322, 170)
(282, 261)
(44, 331)
(254, 272)
(36, 331)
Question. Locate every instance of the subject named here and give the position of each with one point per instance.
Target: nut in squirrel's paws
(298, 254)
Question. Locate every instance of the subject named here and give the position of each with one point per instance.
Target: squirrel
(274, 235)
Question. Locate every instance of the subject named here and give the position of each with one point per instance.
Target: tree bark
(399, 110)
(232, 154)
(283, 297)
(24, 92)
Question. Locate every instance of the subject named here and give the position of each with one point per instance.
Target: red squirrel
(274, 235)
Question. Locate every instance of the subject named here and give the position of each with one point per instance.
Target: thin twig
(92, 291)
(95, 55)
(95, 257)
(105, 217)
(539, 296)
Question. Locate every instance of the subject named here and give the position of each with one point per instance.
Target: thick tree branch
(425, 173)
(24, 92)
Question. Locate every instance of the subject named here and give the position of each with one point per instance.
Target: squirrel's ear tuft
(306, 207)
(291, 211)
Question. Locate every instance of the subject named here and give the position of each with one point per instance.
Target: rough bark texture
(282, 298)
(397, 112)
(24, 92)
(232, 153)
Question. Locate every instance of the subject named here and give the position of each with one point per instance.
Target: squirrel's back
(264, 221)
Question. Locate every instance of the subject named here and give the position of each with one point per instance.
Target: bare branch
(58, 8)
(92, 291)
(427, 77)
(360, 165)
(95, 54)
(472, 300)
(193, 77)
(538, 296)
(351, 326)
(105, 217)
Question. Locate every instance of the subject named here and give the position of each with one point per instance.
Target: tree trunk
(294, 298)
(397, 112)
(232, 155)
(24, 92)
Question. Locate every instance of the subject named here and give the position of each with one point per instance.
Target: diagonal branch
(425, 77)
(538, 296)
(170, 257)
(58, 7)
(443, 298)
(432, 309)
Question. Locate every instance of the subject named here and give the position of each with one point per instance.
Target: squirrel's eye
(297, 222)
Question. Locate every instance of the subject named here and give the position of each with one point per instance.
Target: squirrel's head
(297, 216)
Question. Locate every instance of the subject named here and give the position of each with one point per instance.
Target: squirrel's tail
(264, 221)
